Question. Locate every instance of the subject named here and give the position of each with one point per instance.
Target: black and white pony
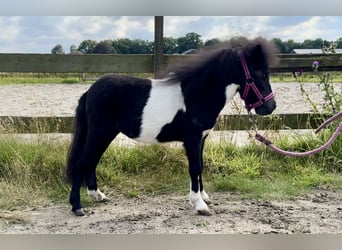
(181, 107)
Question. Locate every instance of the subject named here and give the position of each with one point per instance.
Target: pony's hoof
(98, 195)
(204, 212)
(207, 201)
(105, 199)
(79, 212)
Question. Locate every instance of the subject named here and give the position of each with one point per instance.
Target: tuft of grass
(255, 171)
(144, 169)
(30, 171)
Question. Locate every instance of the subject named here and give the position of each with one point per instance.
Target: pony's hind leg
(96, 143)
(92, 188)
(77, 178)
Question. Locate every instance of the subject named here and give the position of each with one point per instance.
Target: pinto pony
(181, 107)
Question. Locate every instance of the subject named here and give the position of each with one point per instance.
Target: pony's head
(240, 61)
(255, 89)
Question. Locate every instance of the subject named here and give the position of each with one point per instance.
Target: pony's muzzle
(266, 108)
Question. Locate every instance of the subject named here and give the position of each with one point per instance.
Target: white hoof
(197, 201)
(205, 197)
(204, 212)
(98, 195)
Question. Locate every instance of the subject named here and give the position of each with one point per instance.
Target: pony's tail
(79, 137)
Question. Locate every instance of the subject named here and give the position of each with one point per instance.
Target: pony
(182, 106)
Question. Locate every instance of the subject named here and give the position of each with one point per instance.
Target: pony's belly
(160, 130)
(149, 136)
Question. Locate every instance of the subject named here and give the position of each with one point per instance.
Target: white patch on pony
(163, 104)
(206, 132)
(231, 90)
(97, 195)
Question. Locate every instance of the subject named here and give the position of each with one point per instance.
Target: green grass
(29, 78)
(254, 171)
(32, 78)
(32, 172)
(312, 77)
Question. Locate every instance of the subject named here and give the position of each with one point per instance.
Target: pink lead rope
(251, 85)
(311, 152)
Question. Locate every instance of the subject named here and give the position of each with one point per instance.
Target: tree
(339, 42)
(212, 42)
(139, 46)
(191, 40)
(73, 49)
(136, 46)
(291, 45)
(122, 45)
(170, 45)
(280, 45)
(58, 49)
(104, 47)
(87, 46)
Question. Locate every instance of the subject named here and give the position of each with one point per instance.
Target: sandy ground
(317, 212)
(61, 99)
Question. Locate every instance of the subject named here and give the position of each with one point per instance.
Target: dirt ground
(318, 212)
(62, 99)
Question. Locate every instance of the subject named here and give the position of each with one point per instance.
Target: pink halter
(250, 85)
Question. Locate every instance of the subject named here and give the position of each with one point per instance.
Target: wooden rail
(140, 63)
(49, 63)
(17, 124)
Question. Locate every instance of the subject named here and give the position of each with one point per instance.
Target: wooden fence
(48, 63)
(53, 124)
(140, 63)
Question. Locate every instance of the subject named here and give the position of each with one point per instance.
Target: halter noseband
(250, 85)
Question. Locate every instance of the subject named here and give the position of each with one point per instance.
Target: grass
(31, 78)
(32, 172)
(312, 77)
(253, 171)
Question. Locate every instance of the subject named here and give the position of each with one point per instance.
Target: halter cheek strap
(250, 85)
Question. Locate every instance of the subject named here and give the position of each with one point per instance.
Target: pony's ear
(264, 51)
(257, 55)
(257, 51)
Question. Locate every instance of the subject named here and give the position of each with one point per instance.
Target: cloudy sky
(39, 34)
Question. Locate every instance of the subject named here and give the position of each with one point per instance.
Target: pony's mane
(269, 49)
(225, 52)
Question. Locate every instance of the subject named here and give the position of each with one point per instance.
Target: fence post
(158, 45)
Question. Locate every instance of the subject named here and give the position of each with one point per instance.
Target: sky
(39, 34)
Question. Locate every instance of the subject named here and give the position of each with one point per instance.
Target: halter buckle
(250, 80)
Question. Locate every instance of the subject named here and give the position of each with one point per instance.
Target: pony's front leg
(193, 148)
